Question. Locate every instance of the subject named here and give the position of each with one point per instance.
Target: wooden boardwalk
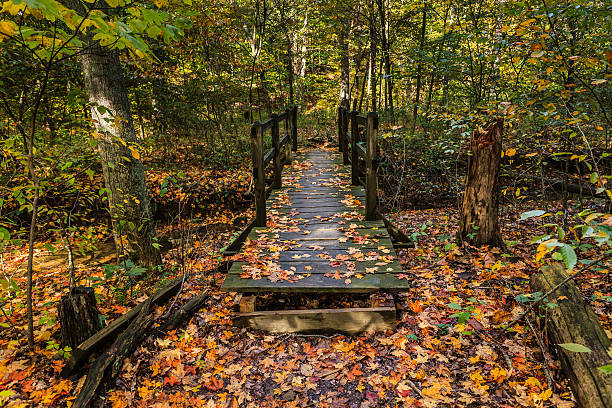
(316, 239)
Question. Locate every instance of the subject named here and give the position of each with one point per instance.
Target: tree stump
(479, 223)
(78, 316)
(573, 321)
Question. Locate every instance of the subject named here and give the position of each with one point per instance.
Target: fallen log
(81, 354)
(110, 362)
(573, 186)
(400, 239)
(108, 365)
(192, 306)
(574, 322)
(83, 351)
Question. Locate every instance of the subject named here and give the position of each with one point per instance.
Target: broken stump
(78, 316)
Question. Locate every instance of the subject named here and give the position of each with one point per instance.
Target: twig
(570, 277)
(549, 381)
(317, 335)
(280, 339)
(413, 386)
(9, 321)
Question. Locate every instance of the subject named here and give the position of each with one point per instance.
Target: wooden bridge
(319, 230)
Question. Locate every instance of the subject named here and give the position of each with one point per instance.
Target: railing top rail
(269, 123)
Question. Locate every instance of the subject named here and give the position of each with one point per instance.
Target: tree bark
(373, 81)
(417, 95)
(384, 24)
(573, 321)
(78, 316)
(344, 65)
(124, 177)
(479, 223)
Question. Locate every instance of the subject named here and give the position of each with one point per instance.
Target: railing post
(371, 166)
(288, 158)
(259, 177)
(345, 124)
(354, 153)
(276, 158)
(294, 128)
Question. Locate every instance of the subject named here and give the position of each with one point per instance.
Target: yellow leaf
(44, 336)
(546, 394)
(510, 152)
(12, 8)
(135, 153)
(6, 28)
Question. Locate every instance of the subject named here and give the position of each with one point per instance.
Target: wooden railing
(360, 149)
(278, 156)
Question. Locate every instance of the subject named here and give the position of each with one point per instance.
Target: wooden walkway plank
(317, 283)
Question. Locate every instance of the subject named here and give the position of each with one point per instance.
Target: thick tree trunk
(124, 177)
(479, 223)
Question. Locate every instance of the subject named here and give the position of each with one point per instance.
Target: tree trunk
(124, 177)
(479, 223)
(384, 24)
(415, 109)
(344, 65)
(78, 316)
(373, 81)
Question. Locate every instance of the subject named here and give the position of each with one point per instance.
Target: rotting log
(573, 321)
(400, 239)
(93, 344)
(78, 316)
(186, 311)
(110, 362)
(108, 365)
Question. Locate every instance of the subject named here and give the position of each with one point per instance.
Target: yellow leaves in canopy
(7, 28)
(510, 152)
(161, 3)
(12, 8)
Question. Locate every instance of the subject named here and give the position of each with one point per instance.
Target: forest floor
(448, 348)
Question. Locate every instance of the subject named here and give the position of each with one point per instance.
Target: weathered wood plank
(328, 244)
(321, 266)
(348, 321)
(317, 283)
(307, 233)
